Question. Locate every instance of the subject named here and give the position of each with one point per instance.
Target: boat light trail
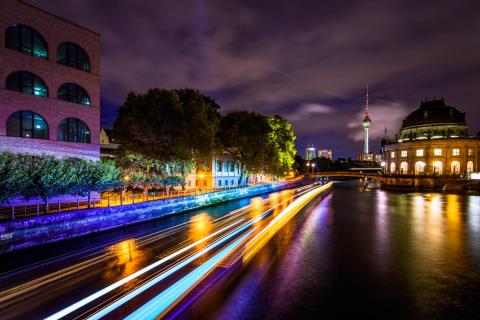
(163, 301)
(113, 286)
(164, 275)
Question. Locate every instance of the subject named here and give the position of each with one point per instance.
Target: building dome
(434, 112)
(434, 120)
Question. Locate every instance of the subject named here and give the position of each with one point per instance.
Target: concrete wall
(36, 231)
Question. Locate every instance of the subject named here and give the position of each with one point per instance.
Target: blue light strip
(167, 273)
(113, 286)
(157, 305)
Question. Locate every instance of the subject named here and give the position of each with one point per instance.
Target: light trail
(162, 302)
(164, 275)
(134, 275)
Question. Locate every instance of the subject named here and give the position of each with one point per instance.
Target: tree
(168, 125)
(244, 135)
(281, 145)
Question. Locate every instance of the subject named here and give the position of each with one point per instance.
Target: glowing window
(404, 153)
(27, 124)
(455, 151)
(26, 40)
(437, 152)
(73, 93)
(419, 153)
(392, 154)
(73, 130)
(26, 82)
(470, 152)
(72, 55)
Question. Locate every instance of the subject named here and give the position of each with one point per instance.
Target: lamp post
(313, 167)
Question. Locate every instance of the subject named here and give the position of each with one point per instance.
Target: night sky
(308, 61)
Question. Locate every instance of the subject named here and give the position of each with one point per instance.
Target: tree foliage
(168, 125)
(33, 177)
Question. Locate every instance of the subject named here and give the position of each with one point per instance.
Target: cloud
(308, 109)
(389, 115)
(265, 55)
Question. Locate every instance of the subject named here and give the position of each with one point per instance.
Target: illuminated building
(310, 153)
(433, 140)
(325, 153)
(49, 84)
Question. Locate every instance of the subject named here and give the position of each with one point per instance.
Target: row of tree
(183, 128)
(30, 177)
(164, 136)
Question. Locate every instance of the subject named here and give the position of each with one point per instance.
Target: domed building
(433, 140)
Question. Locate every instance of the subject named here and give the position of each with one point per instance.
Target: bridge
(369, 174)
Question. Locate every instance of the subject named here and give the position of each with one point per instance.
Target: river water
(361, 253)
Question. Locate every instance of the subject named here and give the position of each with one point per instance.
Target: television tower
(366, 123)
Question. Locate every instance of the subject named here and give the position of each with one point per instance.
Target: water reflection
(126, 258)
(200, 227)
(390, 255)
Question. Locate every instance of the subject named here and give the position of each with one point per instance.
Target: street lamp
(313, 167)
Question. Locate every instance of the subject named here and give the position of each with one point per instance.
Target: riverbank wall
(36, 231)
(429, 183)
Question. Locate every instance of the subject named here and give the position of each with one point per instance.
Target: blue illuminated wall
(35, 231)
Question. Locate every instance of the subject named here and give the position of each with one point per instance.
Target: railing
(12, 212)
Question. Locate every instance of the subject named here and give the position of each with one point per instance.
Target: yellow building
(433, 140)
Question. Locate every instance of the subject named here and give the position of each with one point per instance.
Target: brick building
(49, 84)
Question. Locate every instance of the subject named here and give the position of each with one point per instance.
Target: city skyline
(320, 68)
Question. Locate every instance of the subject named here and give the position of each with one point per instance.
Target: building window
(404, 153)
(27, 124)
(455, 167)
(419, 167)
(225, 166)
(226, 183)
(232, 182)
(73, 93)
(419, 152)
(437, 152)
(219, 183)
(73, 130)
(470, 166)
(26, 82)
(232, 166)
(437, 167)
(392, 154)
(455, 152)
(392, 167)
(219, 166)
(470, 152)
(26, 40)
(71, 55)
(404, 167)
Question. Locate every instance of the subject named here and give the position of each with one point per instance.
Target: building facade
(218, 173)
(310, 152)
(433, 140)
(49, 84)
(325, 153)
(108, 144)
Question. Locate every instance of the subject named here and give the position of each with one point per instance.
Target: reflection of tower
(366, 123)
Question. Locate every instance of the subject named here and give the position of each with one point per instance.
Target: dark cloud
(293, 58)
